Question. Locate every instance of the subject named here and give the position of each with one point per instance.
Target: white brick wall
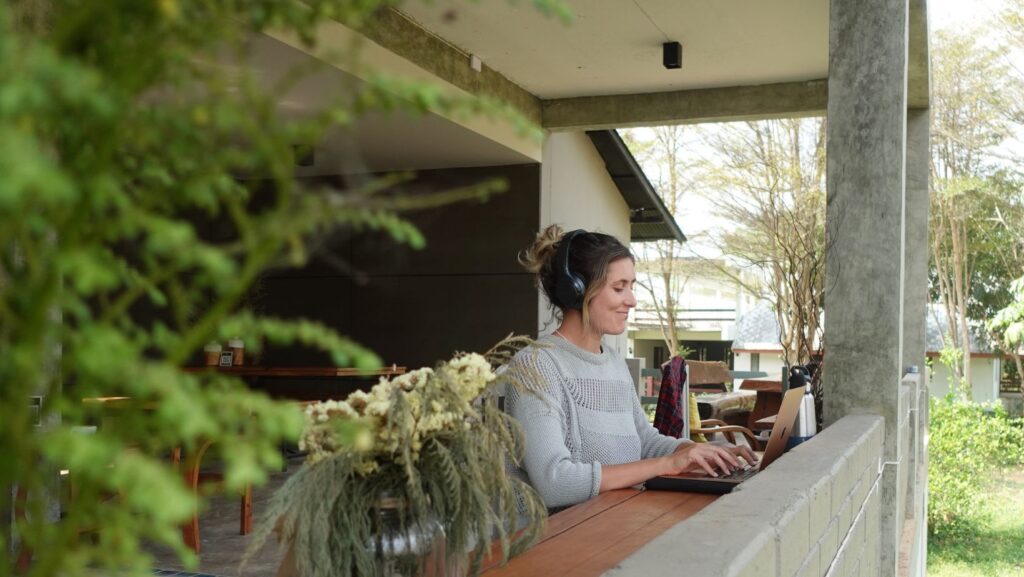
(814, 512)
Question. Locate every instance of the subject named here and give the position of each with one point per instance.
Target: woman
(585, 430)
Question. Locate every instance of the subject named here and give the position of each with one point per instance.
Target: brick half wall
(814, 512)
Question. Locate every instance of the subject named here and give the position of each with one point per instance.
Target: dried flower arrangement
(433, 441)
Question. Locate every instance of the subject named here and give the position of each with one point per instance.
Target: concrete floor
(221, 545)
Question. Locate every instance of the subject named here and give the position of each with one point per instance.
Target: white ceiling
(614, 46)
(611, 47)
(378, 142)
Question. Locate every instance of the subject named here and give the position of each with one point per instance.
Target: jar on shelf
(237, 348)
(212, 353)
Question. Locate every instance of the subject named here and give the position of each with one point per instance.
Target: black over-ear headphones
(570, 287)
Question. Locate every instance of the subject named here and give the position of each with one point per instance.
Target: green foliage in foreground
(992, 549)
(127, 241)
(968, 442)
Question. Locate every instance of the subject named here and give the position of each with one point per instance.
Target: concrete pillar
(915, 238)
(915, 296)
(867, 111)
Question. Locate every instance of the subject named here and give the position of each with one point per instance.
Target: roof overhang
(743, 60)
(649, 219)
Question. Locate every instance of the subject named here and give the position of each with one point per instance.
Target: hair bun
(543, 249)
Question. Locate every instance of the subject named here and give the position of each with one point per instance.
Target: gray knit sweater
(586, 415)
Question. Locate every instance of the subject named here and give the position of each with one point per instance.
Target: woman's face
(609, 308)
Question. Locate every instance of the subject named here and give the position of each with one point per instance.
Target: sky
(950, 13)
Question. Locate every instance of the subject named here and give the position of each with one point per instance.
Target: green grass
(995, 550)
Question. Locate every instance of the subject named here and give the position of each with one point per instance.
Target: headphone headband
(570, 287)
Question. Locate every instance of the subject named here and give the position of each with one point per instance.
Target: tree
(999, 300)
(972, 115)
(1011, 214)
(662, 271)
(1008, 324)
(767, 179)
(126, 243)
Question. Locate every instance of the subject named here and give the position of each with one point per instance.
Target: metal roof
(758, 328)
(649, 219)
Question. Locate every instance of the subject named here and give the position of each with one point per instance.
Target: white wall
(770, 363)
(984, 379)
(644, 348)
(699, 293)
(576, 192)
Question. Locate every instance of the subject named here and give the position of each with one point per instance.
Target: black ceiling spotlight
(672, 55)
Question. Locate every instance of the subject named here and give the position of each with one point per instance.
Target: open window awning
(649, 219)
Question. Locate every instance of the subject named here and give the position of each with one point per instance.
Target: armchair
(677, 414)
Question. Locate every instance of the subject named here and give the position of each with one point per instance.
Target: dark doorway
(708, 351)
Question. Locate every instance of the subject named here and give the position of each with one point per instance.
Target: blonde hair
(589, 258)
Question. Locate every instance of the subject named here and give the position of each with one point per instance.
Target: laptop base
(691, 484)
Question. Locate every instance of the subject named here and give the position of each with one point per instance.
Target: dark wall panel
(419, 320)
(463, 291)
(326, 299)
(469, 237)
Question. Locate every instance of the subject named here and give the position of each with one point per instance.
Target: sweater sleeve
(548, 464)
(652, 443)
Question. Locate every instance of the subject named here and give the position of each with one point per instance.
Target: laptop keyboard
(740, 473)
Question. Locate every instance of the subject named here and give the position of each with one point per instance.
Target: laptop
(701, 482)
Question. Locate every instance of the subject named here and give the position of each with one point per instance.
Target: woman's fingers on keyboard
(730, 458)
(703, 464)
(745, 453)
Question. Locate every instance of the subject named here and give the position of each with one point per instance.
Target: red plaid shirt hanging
(669, 418)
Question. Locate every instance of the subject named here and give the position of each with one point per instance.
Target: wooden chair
(193, 477)
(707, 376)
(707, 427)
(698, 428)
(191, 473)
(713, 426)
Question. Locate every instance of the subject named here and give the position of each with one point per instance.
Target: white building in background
(756, 348)
(706, 316)
(986, 363)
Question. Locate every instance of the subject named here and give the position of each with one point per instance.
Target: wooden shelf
(244, 371)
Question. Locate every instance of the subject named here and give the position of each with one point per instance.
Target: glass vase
(406, 546)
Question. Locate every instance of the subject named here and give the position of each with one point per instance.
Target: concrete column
(915, 238)
(915, 296)
(867, 111)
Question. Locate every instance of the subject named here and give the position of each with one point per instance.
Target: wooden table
(596, 535)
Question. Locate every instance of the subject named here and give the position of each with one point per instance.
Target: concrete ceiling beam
(396, 32)
(788, 99)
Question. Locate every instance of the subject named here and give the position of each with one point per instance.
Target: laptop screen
(783, 427)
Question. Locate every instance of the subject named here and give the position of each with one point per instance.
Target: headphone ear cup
(570, 291)
(579, 288)
(570, 287)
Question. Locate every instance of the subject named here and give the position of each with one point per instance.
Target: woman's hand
(708, 457)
